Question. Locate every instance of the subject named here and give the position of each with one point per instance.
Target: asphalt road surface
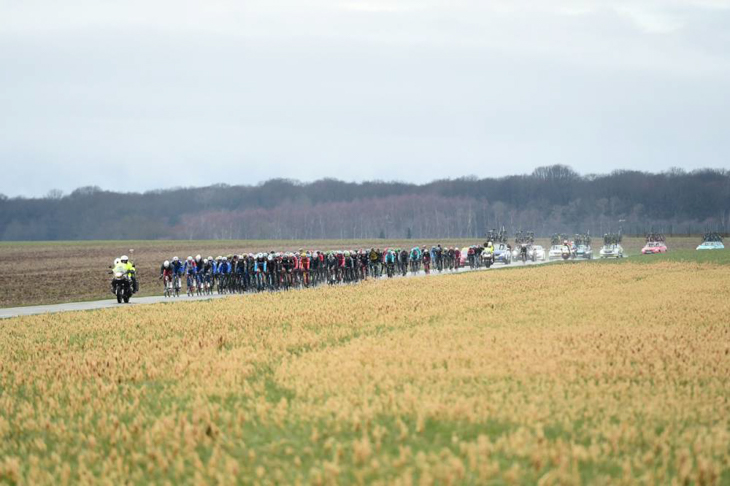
(104, 304)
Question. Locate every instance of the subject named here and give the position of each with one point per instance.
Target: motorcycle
(122, 286)
(487, 259)
(566, 253)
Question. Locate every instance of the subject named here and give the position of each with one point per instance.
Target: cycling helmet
(225, 259)
(205, 261)
(174, 259)
(197, 257)
(190, 259)
(166, 264)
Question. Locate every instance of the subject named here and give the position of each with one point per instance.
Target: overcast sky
(137, 95)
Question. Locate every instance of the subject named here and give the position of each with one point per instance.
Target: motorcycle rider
(131, 271)
(117, 267)
(488, 252)
(566, 248)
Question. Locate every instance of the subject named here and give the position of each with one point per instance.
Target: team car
(538, 253)
(712, 241)
(654, 247)
(711, 245)
(502, 254)
(584, 251)
(556, 252)
(612, 250)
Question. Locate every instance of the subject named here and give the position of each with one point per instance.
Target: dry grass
(564, 374)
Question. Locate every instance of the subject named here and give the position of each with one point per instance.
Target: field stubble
(564, 374)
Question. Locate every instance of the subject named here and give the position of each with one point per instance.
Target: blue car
(502, 254)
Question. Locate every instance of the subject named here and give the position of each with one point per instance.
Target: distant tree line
(552, 199)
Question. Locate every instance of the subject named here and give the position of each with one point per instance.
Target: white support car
(612, 251)
(539, 253)
(556, 252)
(517, 253)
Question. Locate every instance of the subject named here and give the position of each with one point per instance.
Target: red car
(654, 247)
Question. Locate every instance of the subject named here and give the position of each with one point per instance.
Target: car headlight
(118, 275)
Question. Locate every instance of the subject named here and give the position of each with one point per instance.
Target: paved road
(104, 304)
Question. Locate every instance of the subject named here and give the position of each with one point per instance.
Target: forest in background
(550, 199)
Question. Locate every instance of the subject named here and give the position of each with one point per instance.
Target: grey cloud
(255, 90)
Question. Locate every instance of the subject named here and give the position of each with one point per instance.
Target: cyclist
(415, 257)
(374, 259)
(190, 271)
(304, 265)
(260, 271)
(208, 274)
(403, 261)
(166, 273)
(426, 260)
(199, 268)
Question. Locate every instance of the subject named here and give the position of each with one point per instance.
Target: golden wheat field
(562, 374)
